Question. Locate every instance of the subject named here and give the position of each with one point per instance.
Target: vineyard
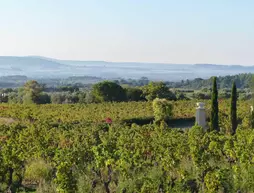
(117, 147)
(68, 113)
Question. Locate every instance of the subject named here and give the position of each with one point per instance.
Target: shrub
(201, 95)
(38, 171)
(163, 109)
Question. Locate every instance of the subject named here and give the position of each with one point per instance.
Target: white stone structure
(201, 115)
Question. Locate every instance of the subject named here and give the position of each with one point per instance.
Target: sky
(165, 31)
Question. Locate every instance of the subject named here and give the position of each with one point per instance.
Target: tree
(71, 89)
(215, 108)
(252, 95)
(65, 98)
(181, 96)
(133, 94)
(224, 94)
(108, 91)
(157, 90)
(233, 109)
(57, 98)
(81, 97)
(44, 98)
(201, 95)
(31, 92)
(89, 98)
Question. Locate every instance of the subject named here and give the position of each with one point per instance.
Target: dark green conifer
(215, 108)
(233, 109)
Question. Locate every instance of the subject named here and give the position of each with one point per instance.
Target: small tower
(201, 115)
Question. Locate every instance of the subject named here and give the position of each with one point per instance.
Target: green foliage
(133, 94)
(242, 81)
(82, 97)
(233, 109)
(38, 171)
(64, 178)
(44, 98)
(69, 148)
(201, 95)
(181, 96)
(224, 94)
(57, 98)
(68, 89)
(157, 90)
(46, 187)
(16, 97)
(219, 181)
(108, 92)
(163, 109)
(215, 108)
(66, 98)
(30, 93)
(32, 90)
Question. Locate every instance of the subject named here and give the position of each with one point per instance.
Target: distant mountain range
(42, 67)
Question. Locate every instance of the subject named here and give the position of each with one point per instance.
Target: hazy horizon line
(111, 61)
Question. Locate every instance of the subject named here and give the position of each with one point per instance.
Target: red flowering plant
(106, 124)
(108, 120)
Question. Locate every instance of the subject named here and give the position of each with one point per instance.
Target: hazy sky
(170, 31)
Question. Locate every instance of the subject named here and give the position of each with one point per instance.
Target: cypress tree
(233, 110)
(215, 108)
(252, 113)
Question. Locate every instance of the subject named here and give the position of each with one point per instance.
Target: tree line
(113, 91)
(106, 91)
(224, 82)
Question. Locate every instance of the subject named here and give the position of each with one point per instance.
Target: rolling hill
(42, 67)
